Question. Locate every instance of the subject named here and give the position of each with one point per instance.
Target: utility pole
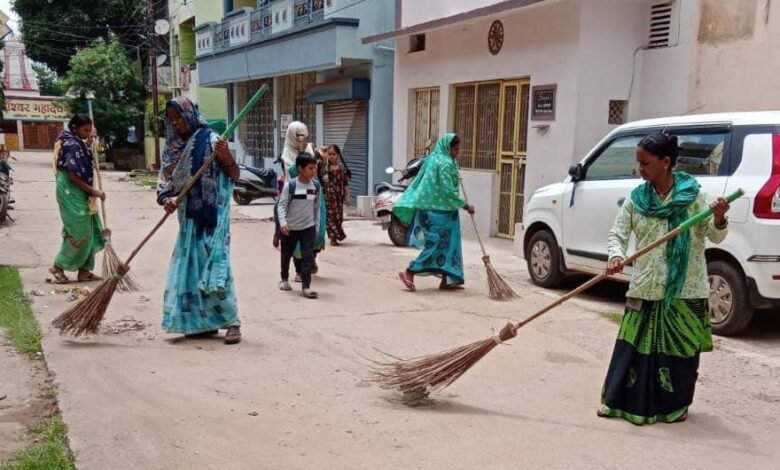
(155, 97)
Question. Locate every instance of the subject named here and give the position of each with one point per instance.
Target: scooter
(6, 181)
(254, 183)
(388, 194)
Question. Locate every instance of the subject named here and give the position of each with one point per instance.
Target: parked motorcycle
(388, 194)
(254, 183)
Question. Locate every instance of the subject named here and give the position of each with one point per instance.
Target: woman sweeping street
(200, 296)
(430, 206)
(654, 367)
(336, 194)
(77, 201)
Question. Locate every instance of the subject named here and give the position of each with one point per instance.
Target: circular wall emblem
(496, 37)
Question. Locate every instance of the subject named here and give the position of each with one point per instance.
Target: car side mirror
(576, 172)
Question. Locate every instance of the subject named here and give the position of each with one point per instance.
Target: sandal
(233, 335)
(309, 294)
(202, 334)
(449, 287)
(334, 242)
(59, 275)
(601, 414)
(89, 277)
(285, 286)
(682, 418)
(408, 283)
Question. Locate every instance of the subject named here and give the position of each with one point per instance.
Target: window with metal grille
(661, 16)
(296, 102)
(259, 133)
(426, 120)
(618, 112)
(476, 122)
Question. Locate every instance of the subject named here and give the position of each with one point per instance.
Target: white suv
(566, 224)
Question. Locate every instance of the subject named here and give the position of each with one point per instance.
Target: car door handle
(621, 201)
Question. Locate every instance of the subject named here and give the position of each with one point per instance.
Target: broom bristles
(111, 264)
(85, 316)
(435, 372)
(498, 288)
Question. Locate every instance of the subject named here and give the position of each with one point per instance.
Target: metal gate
(346, 125)
(513, 141)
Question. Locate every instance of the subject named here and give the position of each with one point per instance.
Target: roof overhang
(475, 14)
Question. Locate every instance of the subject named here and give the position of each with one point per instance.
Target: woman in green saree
(430, 207)
(666, 326)
(82, 229)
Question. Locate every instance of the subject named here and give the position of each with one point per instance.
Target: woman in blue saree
(200, 297)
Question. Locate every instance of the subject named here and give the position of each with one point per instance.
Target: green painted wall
(244, 3)
(208, 10)
(211, 101)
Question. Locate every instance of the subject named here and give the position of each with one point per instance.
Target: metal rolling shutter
(346, 125)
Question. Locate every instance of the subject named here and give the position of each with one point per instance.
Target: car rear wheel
(543, 259)
(730, 309)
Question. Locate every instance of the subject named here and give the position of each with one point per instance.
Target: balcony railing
(246, 25)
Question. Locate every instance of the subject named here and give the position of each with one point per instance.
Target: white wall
(540, 43)
(419, 11)
(610, 32)
(661, 88)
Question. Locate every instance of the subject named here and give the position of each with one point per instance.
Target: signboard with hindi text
(47, 110)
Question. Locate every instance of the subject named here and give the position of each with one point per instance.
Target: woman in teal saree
(200, 296)
(430, 206)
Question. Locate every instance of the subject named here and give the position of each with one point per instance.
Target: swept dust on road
(293, 394)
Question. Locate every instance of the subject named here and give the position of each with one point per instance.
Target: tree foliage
(105, 69)
(49, 82)
(55, 30)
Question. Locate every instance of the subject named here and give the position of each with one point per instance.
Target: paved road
(293, 395)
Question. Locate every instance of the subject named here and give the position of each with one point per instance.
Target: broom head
(86, 315)
(498, 288)
(111, 264)
(417, 377)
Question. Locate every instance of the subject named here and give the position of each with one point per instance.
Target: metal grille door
(512, 146)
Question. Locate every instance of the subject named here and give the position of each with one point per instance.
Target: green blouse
(648, 281)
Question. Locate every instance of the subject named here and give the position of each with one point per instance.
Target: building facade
(30, 121)
(532, 85)
(309, 53)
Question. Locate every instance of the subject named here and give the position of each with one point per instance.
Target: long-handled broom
(417, 377)
(111, 260)
(498, 288)
(86, 316)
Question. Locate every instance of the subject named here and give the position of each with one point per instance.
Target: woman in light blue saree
(200, 297)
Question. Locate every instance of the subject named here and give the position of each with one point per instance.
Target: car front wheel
(730, 309)
(543, 259)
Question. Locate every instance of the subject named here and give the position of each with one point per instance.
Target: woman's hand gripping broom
(86, 316)
(417, 377)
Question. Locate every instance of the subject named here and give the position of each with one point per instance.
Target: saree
(654, 367)
(200, 291)
(430, 206)
(81, 226)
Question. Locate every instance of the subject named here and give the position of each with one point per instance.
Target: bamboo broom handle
(683, 227)
(231, 128)
(476, 230)
(100, 185)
